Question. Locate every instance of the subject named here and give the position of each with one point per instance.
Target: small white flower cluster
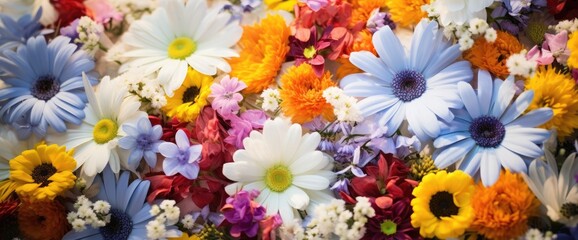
(468, 32)
(567, 25)
(88, 213)
(535, 234)
(519, 65)
(188, 222)
(167, 214)
(344, 107)
(135, 9)
(335, 220)
(89, 35)
(271, 99)
(149, 91)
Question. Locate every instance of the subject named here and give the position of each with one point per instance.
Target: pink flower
(240, 129)
(554, 47)
(103, 11)
(256, 117)
(315, 5)
(226, 96)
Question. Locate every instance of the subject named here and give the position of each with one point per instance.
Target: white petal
(311, 182)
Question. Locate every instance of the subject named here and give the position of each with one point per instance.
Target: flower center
(190, 94)
(104, 131)
(119, 227)
(278, 178)
(388, 227)
(535, 31)
(487, 131)
(408, 85)
(569, 209)
(442, 205)
(143, 142)
(309, 52)
(42, 173)
(181, 48)
(45, 87)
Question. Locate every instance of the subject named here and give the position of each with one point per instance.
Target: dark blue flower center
(487, 131)
(183, 156)
(143, 141)
(119, 227)
(408, 85)
(45, 87)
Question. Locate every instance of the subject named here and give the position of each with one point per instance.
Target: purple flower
(143, 140)
(240, 129)
(256, 117)
(70, 30)
(243, 213)
(181, 157)
(575, 74)
(354, 166)
(378, 20)
(227, 96)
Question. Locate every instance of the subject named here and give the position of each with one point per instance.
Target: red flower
(8, 219)
(69, 10)
(393, 223)
(210, 133)
(563, 9)
(170, 128)
(384, 183)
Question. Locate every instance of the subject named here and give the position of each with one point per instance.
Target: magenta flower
(226, 96)
(310, 51)
(240, 129)
(244, 213)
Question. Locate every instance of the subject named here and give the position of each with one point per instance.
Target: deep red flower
(9, 219)
(211, 134)
(393, 223)
(69, 10)
(170, 128)
(563, 9)
(310, 51)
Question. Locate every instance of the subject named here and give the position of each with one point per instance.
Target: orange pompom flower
(302, 94)
(493, 56)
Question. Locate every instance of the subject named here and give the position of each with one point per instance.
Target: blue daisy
(15, 33)
(491, 131)
(44, 84)
(129, 213)
(420, 87)
(142, 140)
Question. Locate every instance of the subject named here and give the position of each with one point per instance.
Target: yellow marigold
(302, 94)
(406, 12)
(362, 10)
(573, 46)
(264, 46)
(502, 210)
(493, 56)
(362, 42)
(189, 99)
(555, 90)
(442, 206)
(287, 5)
(42, 220)
(43, 173)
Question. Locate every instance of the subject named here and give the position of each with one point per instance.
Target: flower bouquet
(288, 119)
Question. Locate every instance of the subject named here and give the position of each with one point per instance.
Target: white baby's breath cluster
(135, 9)
(566, 25)
(535, 234)
(344, 107)
(335, 220)
(149, 91)
(519, 65)
(271, 99)
(88, 213)
(166, 214)
(467, 33)
(89, 33)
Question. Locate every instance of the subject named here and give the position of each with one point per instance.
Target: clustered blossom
(94, 214)
(334, 219)
(271, 99)
(344, 107)
(149, 92)
(519, 64)
(468, 32)
(166, 214)
(566, 25)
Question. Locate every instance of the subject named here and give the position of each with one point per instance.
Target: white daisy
(460, 11)
(558, 191)
(284, 166)
(177, 35)
(95, 141)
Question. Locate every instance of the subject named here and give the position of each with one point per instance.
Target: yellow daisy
(43, 173)
(573, 46)
(286, 5)
(264, 47)
(406, 12)
(189, 99)
(442, 206)
(555, 90)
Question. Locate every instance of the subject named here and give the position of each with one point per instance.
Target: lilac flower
(354, 166)
(341, 185)
(227, 96)
(71, 30)
(315, 5)
(378, 20)
(250, 5)
(181, 157)
(244, 213)
(143, 140)
(240, 129)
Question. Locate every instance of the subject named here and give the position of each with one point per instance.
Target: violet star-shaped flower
(181, 157)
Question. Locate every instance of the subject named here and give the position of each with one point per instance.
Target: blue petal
(134, 158)
(38, 55)
(445, 157)
(127, 142)
(522, 147)
(89, 233)
(471, 162)
(389, 49)
(374, 104)
(502, 96)
(451, 75)
(62, 49)
(369, 63)
(143, 215)
(490, 167)
(52, 118)
(485, 91)
(138, 198)
(518, 107)
(533, 118)
(109, 181)
(168, 149)
(535, 135)
(511, 161)
(451, 138)
(444, 59)
(470, 99)
(22, 108)
(424, 43)
(362, 88)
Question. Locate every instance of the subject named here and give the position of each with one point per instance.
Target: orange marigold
(302, 94)
(43, 220)
(264, 46)
(362, 43)
(502, 210)
(406, 12)
(493, 56)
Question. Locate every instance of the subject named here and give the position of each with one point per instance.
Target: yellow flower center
(278, 178)
(182, 47)
(309, 52)
(104, 131)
